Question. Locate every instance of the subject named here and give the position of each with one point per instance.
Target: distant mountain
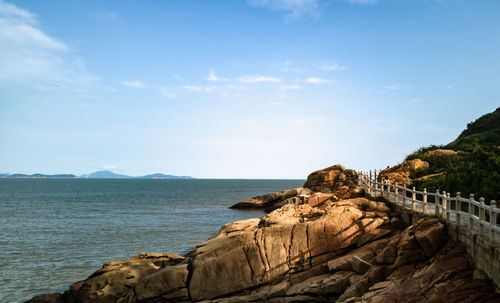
(106, 174)
(162, 176)
(103, 174)
(37, 176)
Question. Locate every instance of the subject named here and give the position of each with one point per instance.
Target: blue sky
(239, 89)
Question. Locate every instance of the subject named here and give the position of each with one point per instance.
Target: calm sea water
(57, 231)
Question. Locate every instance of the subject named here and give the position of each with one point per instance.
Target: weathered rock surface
(316, 248)
(343, 182)
(273, 200)
(441, 152)
(401, 172)
(321, 187)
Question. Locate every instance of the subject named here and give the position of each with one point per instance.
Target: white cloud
(296, 8)
(414, 101)
(316, 80)
(332, 67)
(290, 87)
(449, 86)
(256, 79)
(32, 58)
(393, 87)
(362, 1)
(236, 87)
(200, 88)
(108, 166)
(212, 77)
(193, 88)
(307, 121)
(136, 84)
(8, 10)
(277, 104)
(167, 93)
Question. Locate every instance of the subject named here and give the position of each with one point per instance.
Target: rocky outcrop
(326, 185)
(441, 153)
(319, 249)
(344, 182)
(272, 201)
(401, 173)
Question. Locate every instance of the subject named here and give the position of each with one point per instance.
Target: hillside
(469, 164)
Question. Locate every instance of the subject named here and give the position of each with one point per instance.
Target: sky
(239, 89)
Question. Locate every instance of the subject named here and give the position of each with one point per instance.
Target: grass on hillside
(476, 167)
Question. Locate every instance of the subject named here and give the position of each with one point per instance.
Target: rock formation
(401, 172)
(318, 248)
(335, 182)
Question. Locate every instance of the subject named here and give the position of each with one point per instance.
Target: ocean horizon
(58, 231)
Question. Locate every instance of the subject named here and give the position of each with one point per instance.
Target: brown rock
(168, 282)
(46, 298)
(401, 172)
(318, 199)
(441, 153)
(335, 179)
(359, 265)
(267, 201)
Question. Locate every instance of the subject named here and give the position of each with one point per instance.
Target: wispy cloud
(295, 9)
(316, 80)
(277, 104)
(166, 93)
(257, 79)
(332, 67)
(312, 120)
(30, 57)
(136, 84)
(362, 1)
(397, 86)
(290, 87)
(108, 166)
(212, 77)
(200, 88)
(393, 87)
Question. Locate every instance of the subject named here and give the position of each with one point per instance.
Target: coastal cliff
(325, 242)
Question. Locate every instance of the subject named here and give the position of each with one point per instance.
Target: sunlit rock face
(314, 247)
(401, 173)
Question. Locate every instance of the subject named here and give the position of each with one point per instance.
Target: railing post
(445, 205)
(396, 195)
(404, 194)
(413, 198)
(493, 222)
(448, 206)
(471, 212)
(458, 208)
(424, 206)
(481, 216)
(436, 203)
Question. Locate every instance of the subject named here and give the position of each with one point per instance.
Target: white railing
(474, 216)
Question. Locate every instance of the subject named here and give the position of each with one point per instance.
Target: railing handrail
(476, 214)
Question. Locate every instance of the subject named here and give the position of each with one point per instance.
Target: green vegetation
(474, 169)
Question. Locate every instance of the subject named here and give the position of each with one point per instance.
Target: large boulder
(401, 173)
(273, 200)
(343, 182)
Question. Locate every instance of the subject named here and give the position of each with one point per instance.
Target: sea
(54, 232)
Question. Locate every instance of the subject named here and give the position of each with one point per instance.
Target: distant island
(103, 174)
